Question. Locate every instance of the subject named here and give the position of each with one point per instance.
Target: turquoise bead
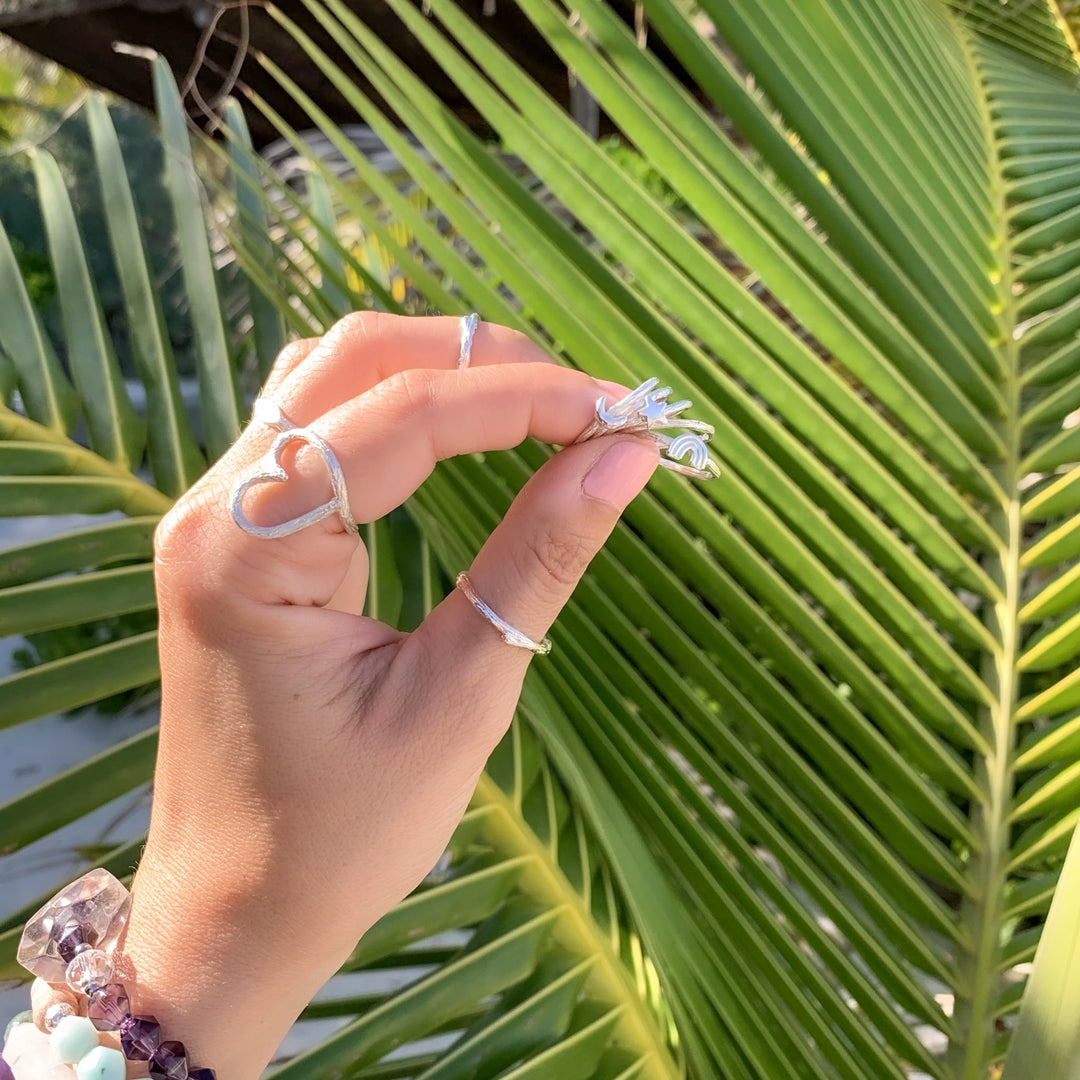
(74, 1037)
(102, 1063)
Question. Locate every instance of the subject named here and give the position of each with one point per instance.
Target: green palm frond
(550, 975)
(792, 796)
(1041, 31)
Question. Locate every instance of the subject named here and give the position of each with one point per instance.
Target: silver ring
(646, 410)
(269, 470)
(469, 323)
(507, 632)
(267, 411)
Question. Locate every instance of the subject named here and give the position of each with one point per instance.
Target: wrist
(201, 959)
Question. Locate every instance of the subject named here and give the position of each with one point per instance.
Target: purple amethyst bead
(72, 939)
(169, 1062)
(109, 1007)
(202, 1074)
(140, 1037)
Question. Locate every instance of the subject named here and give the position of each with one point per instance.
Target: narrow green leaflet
(116, 433)
(174, 457)
(1047, 1037)
(46, 393)
(333, 288)
(267, 323)
(219, 411)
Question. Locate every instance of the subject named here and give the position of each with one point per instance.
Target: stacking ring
(647, 411)
(269, 470)
(469, 323)
(506, 631)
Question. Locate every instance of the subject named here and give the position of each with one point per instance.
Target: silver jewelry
(701, 466)
(269, 470)
(469, 323)
(508, 633)
(267, 411)
(55, 1013)
(646, 410)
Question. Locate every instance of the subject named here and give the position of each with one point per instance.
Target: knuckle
(518, 347)
(291, 355)
(170, 535)
(559, 559)
(287, 361)
(513, 346)
(416, 388)
(357, 326)
(179, 539)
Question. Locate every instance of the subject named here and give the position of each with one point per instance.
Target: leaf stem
(983, 916)
(545, 881)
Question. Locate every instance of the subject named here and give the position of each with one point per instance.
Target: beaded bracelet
(70, 940)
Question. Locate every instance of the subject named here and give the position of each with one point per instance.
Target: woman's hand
(314, 763)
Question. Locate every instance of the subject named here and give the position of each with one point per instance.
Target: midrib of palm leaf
(1068, 20)
(979, 969)
(1021, 96)
(545, 881)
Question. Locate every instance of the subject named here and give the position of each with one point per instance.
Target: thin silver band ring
(469, 323)
(506, 631)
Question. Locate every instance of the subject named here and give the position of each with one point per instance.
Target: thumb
(531, 563)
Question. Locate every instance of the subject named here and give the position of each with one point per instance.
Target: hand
(314, 763)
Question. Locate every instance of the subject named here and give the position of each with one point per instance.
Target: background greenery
(793, 795)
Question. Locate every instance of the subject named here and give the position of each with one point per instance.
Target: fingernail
(614, 391)
(621, 472)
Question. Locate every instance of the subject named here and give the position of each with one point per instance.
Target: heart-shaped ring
(269, 470)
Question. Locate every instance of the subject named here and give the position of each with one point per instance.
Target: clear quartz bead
(91, 911)
(90, 969)
(55, 1013)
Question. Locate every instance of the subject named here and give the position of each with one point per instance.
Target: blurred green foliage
(40, 106)
(49, 645)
